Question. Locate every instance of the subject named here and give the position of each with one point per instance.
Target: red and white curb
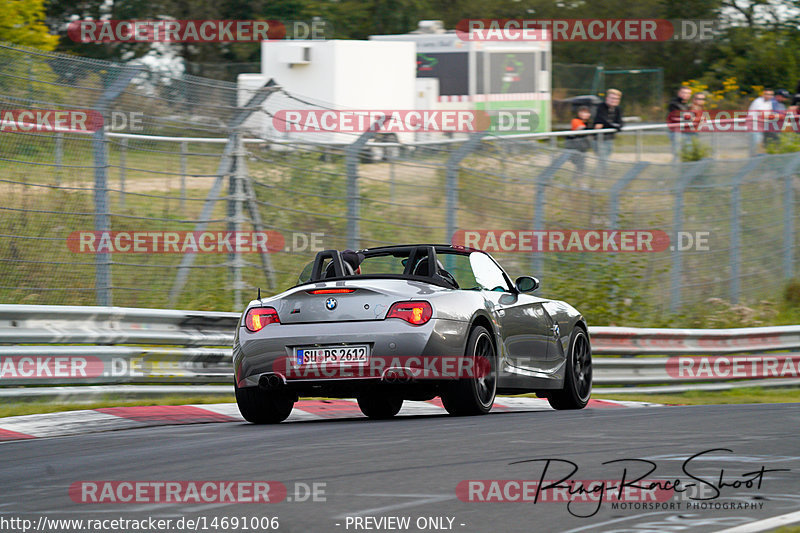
(116, 418)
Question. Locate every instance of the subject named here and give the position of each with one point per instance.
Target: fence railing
(196, 166)
(70, 345)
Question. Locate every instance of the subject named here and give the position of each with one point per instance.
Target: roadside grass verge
(740, 396)
(733, 396)
(41, 406)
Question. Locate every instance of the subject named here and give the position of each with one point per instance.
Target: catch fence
(197, 165)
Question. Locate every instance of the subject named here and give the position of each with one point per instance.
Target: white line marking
(412, 408)
(763, 525)
(89, 421)
(67, 423)
(414, 503)
(614, 521)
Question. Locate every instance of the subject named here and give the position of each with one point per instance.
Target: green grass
(301, 193)
(740, 396)
(733, 396)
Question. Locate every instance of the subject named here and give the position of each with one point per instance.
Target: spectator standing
(696, 109)
(609, 115)
(794, 108)
(761, 105)
(782, 96)
(676, 113)
(580, 143)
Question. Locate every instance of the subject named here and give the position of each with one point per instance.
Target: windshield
(475, 271)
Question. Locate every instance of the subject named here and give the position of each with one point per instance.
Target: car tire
(379, 406)
(577, 375)
(474, 395)
(262, 407)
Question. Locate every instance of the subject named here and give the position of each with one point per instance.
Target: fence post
(714, 144)
(451, 184)
(224, 169)
(391, 179)
(235, 198)
(351, 155)
(59, 156)
(788, 216)
(123, 154)
(638, 145)
(677, 226)
(542, 180)
(184, 151)
(752, 145)
(616, 189)
(613, 216)
(601, 154)
(258, 225)
(101, 212)
(736, 204)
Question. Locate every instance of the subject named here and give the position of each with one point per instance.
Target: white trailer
(336, 74)
(483, 75)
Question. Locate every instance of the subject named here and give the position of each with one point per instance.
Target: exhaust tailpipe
(271, 382)
(398, 376)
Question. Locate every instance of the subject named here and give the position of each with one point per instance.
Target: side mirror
(526, 284)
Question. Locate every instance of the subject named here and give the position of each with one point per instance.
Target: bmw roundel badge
(330, 304)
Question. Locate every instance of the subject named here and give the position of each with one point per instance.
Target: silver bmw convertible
(409, 322)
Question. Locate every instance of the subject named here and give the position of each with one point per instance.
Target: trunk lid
(328, 302)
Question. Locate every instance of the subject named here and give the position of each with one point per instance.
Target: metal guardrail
(101, 346)
(653, 341)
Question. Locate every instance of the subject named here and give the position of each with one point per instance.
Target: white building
(336, 74)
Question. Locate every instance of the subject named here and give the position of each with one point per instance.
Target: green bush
(788, 142)
(695, 150)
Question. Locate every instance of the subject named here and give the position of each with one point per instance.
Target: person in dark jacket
(580, 143)
(609, 115)
(677, 111)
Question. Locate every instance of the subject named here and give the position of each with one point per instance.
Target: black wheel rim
(582, 366)
(484, 365)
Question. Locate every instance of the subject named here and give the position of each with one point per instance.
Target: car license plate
(355, 354)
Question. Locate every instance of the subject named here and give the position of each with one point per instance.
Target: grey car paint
(532, 333)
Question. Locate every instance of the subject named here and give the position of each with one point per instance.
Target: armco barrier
(97, 345)
(70, 345)
(651, 341)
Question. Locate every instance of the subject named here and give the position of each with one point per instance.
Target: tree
(23, 23)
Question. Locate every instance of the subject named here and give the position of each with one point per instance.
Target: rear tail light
(258, 317)
(415, 313)
(331, 291)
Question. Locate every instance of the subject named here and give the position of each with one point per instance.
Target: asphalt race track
(374, 475)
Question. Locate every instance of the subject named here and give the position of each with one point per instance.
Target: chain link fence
(195, 166)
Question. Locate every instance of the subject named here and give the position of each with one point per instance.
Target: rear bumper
(394, 344)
